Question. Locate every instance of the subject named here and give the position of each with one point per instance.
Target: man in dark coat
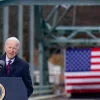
(18, 67)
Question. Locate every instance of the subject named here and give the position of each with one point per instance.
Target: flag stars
(78, 60)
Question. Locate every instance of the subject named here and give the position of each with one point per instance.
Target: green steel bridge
(49, 32)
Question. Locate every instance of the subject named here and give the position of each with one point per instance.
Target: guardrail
(45, 92)
(47, 89)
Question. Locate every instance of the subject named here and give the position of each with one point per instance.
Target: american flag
(82, 70)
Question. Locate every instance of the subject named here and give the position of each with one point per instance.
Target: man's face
(11, 48)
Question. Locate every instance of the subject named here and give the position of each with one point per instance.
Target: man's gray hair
(13, 38)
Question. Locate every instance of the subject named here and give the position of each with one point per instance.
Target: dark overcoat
(19, 68)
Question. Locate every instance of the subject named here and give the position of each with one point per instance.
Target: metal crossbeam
(49, 2)
(60, 28)
(64, 40)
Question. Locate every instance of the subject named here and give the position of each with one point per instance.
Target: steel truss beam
(49, 2)
(56, 33)
(47, 34)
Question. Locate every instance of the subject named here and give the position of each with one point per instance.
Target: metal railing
(44, 90)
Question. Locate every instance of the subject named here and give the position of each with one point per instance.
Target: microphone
(2, 63)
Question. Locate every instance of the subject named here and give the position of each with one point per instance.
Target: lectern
(14, 88)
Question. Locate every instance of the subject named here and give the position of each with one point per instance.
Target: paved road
(70, 99)
(94, 96)
(58, 98)
(65, 98)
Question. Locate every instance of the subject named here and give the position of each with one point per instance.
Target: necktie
(8, 67)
